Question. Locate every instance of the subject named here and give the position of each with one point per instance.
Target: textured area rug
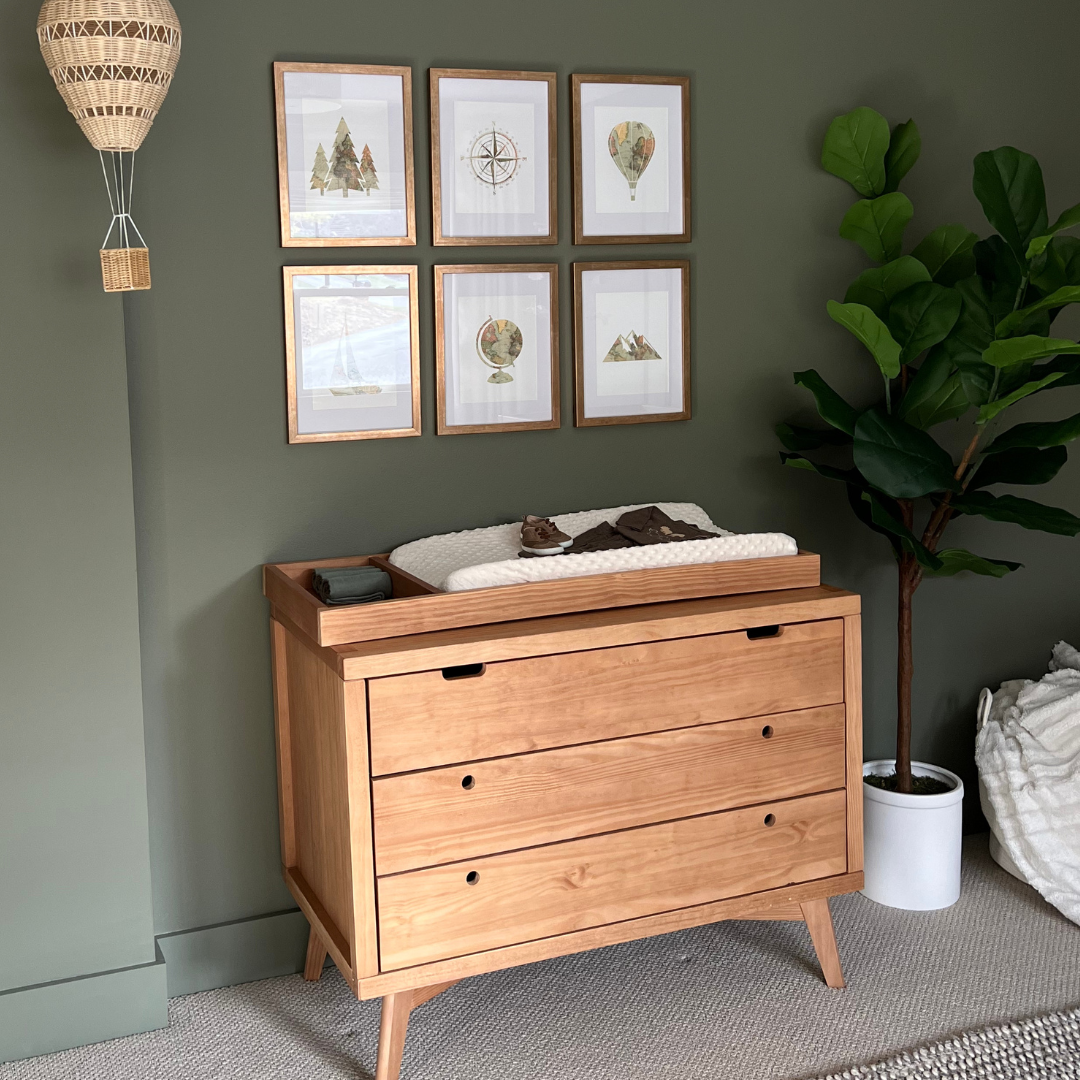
(1047, 1048)
(733, 1001)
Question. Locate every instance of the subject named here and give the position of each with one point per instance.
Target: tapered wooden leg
(395, 1022)
(819, 923)
(316, 957)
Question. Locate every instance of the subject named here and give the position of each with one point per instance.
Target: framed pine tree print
(345, 155)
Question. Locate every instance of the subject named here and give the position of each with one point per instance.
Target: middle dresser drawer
(432, 718)
(458, 812)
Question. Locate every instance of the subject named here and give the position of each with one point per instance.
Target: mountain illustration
(632, 346)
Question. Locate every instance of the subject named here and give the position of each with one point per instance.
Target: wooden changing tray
(418, 608)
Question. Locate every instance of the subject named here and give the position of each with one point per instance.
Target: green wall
(217, 491)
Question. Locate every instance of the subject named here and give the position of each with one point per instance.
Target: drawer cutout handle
(770, 819)
(468, 782)
(767, 731)
(472, 877)
(463, 671)
(756, 632)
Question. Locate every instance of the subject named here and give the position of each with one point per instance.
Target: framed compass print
(352, 352)
(631, 146)
(497, 347)
(345, 155)
(493, 157)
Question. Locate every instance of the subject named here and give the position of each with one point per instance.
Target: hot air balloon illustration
(631, 145)
(113, 61)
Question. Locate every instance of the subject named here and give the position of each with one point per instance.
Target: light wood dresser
(473, 781)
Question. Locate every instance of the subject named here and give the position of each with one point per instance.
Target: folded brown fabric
(604, 537)
(650, 525)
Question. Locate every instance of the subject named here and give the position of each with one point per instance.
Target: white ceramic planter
(912, 843)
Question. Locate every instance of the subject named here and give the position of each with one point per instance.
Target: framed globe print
(497, 347)
(345, 155)
(631, 342)
(631, 147)
(352, 352)
(493, 157)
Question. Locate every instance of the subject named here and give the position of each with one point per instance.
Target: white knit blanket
(1028, 753)
(482, 558)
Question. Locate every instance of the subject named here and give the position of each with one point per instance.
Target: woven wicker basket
(125, 269)
(112, 61)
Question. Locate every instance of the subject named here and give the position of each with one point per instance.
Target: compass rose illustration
(493, 158)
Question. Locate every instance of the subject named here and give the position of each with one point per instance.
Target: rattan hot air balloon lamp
(113, 61)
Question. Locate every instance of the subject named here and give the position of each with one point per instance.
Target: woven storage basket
(112, 61)
(125, 269)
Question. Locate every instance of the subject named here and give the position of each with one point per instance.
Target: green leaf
(795, 437)
(877, 225)
(977, 383)
(1025, 512)
(1009, 185)
(1019, 350)
(905, 145)
(955, 560)
(888, 522)
(921, 316)
(875, 288)
(871, 331)
(1069, 366)
(797, 461)
(1061, 265)
(1068, 219)
(831, 407)
(854, 149)
(992, 408)
(948, 403)
(1051, 433)
(928, 380)
(1068, 294)
(899, 459)
(946, 253)
(1002, 276)
(1021, 465)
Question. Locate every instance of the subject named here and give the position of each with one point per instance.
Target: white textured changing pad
(482, 558)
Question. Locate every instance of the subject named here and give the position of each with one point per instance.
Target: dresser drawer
(439, 717)
(458, 812)
(479, 904)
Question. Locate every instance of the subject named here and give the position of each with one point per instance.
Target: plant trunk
(909, 580)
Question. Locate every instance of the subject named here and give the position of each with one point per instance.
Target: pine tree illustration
(344, 170)
(320, 172)
(367, 170)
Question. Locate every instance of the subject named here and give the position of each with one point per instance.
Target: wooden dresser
(460, 800)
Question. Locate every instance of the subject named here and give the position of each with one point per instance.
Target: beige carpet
(735, 1001)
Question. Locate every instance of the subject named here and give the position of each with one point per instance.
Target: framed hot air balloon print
(631, 342)
(631, 144)
(493, 157)
(497, 347)
(352, 352)
(345, 155)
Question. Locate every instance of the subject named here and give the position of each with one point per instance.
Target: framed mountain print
(631, 342)
(345, 155)
(493, 157)
(497, 347)
(631, 146)
(352, 352)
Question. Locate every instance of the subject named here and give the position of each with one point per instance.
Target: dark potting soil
(920, 785)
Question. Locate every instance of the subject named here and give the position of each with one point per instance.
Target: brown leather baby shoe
(539, 536)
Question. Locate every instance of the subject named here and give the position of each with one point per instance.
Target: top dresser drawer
(442, 717)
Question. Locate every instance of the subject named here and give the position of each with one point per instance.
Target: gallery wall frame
(478, 346)
(346, 383)
(637, 126)
(374, 99)
(494, 135)
(643, 309)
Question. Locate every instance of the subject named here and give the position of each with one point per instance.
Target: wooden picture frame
(454, 418)
(544, 193)
(589, 407)
(304, 400)
(393, 221)
(676, 188)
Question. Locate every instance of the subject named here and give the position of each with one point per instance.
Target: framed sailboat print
(352, 352)
(345, 155)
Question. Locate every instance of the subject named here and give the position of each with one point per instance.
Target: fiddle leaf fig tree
(959, 329)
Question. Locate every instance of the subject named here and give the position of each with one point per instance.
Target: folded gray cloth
(351, 584)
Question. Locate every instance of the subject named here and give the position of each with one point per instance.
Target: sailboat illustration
(345, 377)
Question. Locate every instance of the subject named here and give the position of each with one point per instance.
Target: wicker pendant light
(113, 61)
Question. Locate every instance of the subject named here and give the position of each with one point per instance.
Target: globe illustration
(498, 344)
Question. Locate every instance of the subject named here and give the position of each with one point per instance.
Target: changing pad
(483, 558)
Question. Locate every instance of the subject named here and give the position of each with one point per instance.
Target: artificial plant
(959, 328)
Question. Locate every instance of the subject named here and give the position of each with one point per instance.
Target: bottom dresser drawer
(485, 903)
